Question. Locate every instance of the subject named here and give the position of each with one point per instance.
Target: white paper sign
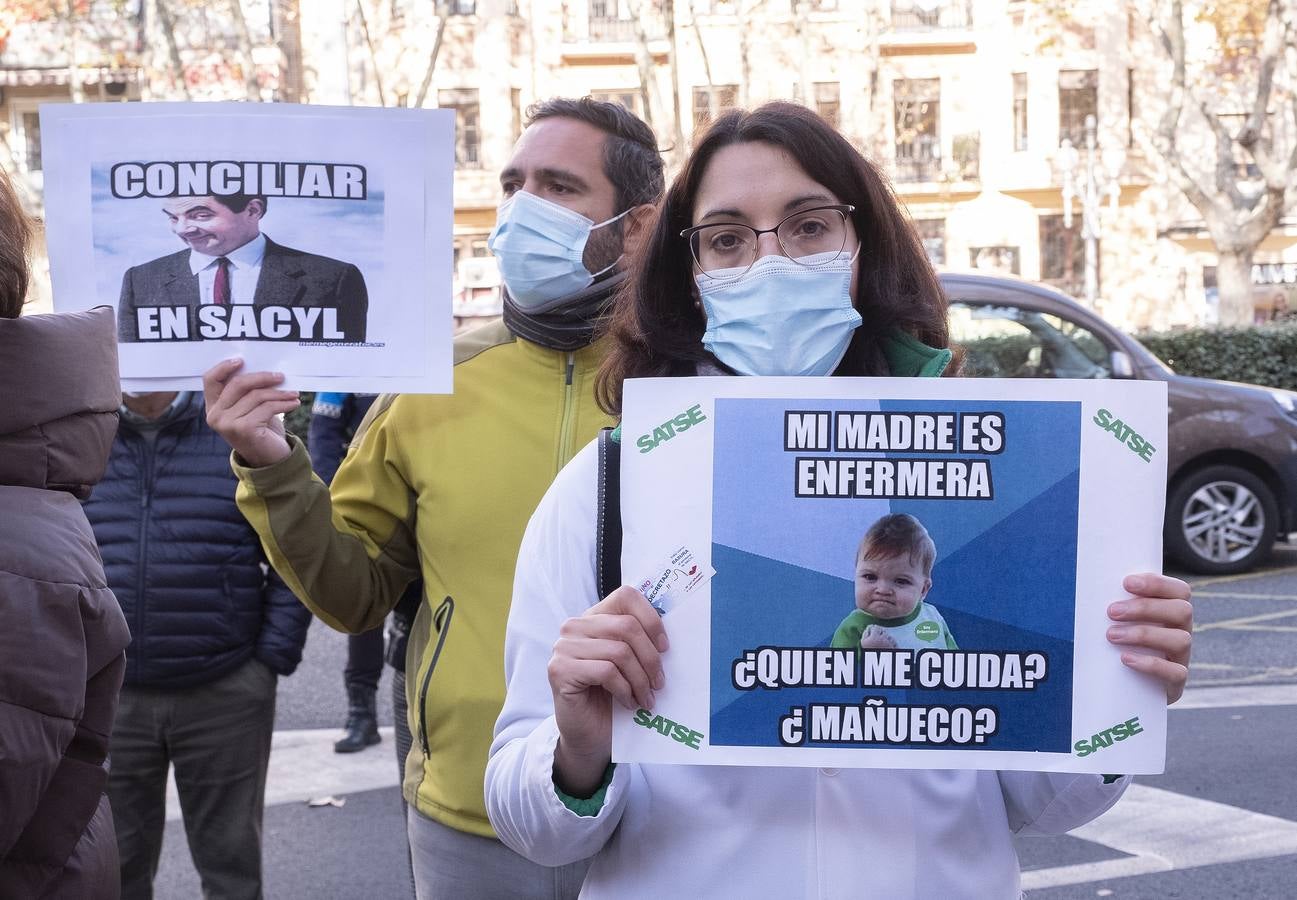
(829, 635)
(314, 241)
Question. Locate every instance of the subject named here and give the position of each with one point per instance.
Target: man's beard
(602, 249)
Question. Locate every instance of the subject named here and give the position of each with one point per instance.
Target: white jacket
(716, 832)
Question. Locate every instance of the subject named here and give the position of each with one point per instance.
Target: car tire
(1221, 520)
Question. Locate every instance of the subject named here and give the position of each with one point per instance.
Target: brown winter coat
(62, 635)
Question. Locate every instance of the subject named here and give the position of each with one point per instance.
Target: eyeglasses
(728, 249)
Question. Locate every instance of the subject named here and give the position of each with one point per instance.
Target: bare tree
(1238, 213)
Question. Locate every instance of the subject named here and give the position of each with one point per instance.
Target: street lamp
(1090, 179)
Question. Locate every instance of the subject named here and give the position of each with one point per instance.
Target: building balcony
(929, 26)
(918, 159)
(613, 39)
(931, 15)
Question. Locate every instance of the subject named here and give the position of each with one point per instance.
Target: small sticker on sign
(674, 579)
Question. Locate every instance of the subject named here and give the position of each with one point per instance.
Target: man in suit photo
(229, 262)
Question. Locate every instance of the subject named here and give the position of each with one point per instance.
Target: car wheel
(1220, 520)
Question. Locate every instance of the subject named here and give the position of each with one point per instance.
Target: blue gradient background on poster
(1004, 578)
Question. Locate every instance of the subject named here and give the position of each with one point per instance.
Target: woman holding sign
(779, 250)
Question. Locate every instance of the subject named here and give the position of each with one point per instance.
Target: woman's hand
(1159, 619)
(612, 652)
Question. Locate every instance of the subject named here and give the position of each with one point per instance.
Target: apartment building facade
(963, 103)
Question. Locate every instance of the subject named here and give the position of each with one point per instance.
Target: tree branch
(1226, 165)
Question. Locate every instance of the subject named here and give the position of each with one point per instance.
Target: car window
(1011, 342)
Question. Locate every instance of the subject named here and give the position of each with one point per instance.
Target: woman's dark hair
(15, 249)
(657, 330)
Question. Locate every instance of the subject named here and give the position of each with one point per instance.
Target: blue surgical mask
(781, 317)
(539, 246)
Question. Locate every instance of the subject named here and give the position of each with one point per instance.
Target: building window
(515, 103)
(627, 97)
(917, 108)
(1019, 110)
(998, 260)
(1062, 254)
(717, 99)
(932, 232)
(461, 7)
(827, 102)
(468, 132)
(1078, 97)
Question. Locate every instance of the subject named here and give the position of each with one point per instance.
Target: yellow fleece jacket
(440, 486)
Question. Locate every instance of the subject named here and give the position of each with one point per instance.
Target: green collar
(868, 620)
(908, 357)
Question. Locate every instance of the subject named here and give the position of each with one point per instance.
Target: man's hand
(245, 409)
(610, 654)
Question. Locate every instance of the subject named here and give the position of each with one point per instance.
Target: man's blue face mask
(539, 247)
(781, 317)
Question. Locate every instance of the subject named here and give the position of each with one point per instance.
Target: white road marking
(1249, 695)
(1165, 831)
(303, 765)
(1245, 620)
(1222, 595)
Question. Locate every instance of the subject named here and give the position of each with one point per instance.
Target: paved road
(1221, 823)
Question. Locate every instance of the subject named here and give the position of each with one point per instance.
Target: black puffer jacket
(186, 567)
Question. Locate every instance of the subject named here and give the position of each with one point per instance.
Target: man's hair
(897, 534)
(15, 247)
(237, 203)
(631, 159)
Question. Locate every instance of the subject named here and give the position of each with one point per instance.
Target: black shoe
(362, 722)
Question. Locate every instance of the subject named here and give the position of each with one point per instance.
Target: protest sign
(314, 241)
(899, 573)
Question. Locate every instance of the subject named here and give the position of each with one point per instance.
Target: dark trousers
(217, 736)
(364, 660)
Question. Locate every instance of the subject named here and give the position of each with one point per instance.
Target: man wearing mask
(441, 486)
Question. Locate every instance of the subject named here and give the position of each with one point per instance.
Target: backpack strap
(608, 514)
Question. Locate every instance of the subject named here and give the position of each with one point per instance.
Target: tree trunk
(251, 87)
(1234, 287)
(677, 126)
(745, 68)
(426, 84)
(288, 25)
(644, 63)
(373, 54)
(75, 85)
(167, 22)
(707, 65)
